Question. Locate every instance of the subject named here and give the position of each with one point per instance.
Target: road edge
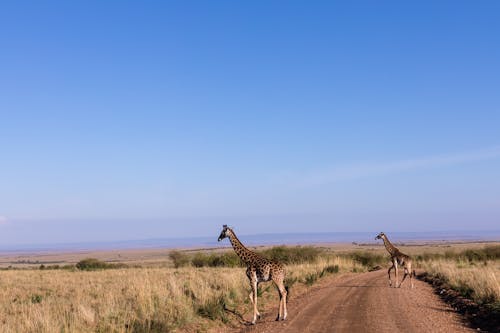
(480, 317)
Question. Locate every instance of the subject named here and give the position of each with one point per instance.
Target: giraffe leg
(283, 294)
(397, 275)
(252, 277)
(254, 291)
(389, 272)
(251, 300)
(411, 271)
(279, 282)
(404, 276)
(280, 311)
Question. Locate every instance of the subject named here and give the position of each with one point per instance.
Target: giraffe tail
(287, 293)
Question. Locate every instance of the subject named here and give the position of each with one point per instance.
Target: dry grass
(166, 299)
(475, 273)
(476, 280)
(136, 299)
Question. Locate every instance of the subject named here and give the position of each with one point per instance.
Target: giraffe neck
(240, 249)
(388, 245)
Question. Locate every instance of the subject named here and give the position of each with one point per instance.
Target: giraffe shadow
(238, 315)
(243, 321)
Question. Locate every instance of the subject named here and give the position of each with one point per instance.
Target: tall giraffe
(259, 269)
(397, 258)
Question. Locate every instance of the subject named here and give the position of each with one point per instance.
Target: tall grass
(474, 273)
(138, 299)
(197, 293)
(476, 280)
(368, 259)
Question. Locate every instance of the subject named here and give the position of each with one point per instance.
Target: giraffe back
(265, 269)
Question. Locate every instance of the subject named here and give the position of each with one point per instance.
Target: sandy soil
(364, 303)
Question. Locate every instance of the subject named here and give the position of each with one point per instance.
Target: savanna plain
(206, 290)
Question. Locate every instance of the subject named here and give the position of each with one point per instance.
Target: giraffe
(259, 269)
(397, 258)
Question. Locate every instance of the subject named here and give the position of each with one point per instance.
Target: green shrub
(331, 269)
(179, 259)
(293, 255)
(215, 260)
(471, 255)
(35, 299)
(290, 281)
(311, 278)
(42, 267)
(200, 260)
(368, 259)
(487, 253)
(225, 260)
(214, 309)
(286, 255)
(92, 264)
(492, 252)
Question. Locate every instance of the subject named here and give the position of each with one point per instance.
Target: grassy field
(139, 299)
(206, 290)
(469, 280)
(479, 281)
(475, 274)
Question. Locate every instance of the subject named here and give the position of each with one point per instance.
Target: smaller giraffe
(259, 269)
(397, 258)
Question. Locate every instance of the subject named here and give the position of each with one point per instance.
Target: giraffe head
(224, 233)
(380, 236)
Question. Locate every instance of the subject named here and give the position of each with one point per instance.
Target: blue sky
(129, 120)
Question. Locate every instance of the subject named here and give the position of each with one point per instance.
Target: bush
(484, 254)
(311, 278)
(92, 264)
(225, 260)
(487, 253)
(201, 259)
(286, 255)
(290, 281)
(293, 255)
(179, 259)
(214, 309)
(492, 252)
(35, 299)
(331, 269)
(368, 259)
(42, 267)
(215, 260)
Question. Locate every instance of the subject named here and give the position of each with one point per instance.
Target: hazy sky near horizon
(123, 120)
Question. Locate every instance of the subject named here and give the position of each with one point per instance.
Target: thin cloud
(3, 220)
(376, 169)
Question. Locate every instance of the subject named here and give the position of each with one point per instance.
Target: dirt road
(364, 303)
